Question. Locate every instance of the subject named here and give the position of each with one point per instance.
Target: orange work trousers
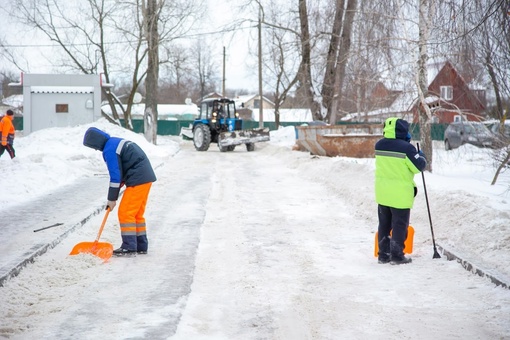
(131, 217)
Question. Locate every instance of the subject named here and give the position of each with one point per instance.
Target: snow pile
(52, 158)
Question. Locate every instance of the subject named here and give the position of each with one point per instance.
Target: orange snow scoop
(103, 250)
(408, 244)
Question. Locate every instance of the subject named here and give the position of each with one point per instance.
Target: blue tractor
(219, 122)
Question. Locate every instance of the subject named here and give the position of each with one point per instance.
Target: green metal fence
(436, 131)
(173, 127)
(18, 123)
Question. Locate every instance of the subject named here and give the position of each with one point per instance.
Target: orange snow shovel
(103, 250)
(408, 244)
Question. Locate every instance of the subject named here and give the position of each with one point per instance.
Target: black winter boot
(383, 259)
(123, 252)
(400, 260)
(397, 254)
(384, 250)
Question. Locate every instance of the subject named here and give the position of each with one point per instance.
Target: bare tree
(426, 8)
(320, 102)
(338, 50)
(81, 36)
(341, 59)
(280, 63)
(284, 82)
(494, 48)
(479, 40)
(203, 67)
(379, 55)
(151, 17)
(305, 70)
(110, 29)
(495, 43)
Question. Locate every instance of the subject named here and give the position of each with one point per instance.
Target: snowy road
(51, 217)
(252, 245)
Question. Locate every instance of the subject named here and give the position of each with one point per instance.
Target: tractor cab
(220, 114)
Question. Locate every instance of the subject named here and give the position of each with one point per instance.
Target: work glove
(111, 204)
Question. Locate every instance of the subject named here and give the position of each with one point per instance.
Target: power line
(186, 36)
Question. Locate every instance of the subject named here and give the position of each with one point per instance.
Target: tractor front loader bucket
(243, 137)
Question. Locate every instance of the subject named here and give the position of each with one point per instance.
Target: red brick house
(452, 99)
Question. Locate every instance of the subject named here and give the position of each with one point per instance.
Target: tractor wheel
(202, 137)
(250, 147)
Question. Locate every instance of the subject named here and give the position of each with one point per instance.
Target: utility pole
(261, 102)
(223, 82)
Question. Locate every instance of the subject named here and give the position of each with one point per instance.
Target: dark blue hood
(95, 138)
(396, 128)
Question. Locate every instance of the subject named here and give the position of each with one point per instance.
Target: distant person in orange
(7, 134)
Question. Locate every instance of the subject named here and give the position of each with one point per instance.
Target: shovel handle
(103, 223)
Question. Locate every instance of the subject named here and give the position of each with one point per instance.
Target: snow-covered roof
(433, 70)
(401, 106)
(246, 98)
(15, 100)
(163, 109)
(286, 115)
(62, 89)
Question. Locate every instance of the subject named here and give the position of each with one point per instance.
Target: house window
(457, 118)
(256, 103)
(447, 92)
(62, 108)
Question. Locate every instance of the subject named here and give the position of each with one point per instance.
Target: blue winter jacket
(126, 161)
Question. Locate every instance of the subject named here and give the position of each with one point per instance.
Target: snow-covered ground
(271, 244)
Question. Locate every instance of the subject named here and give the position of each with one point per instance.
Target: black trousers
(395, 221)
(9, 148)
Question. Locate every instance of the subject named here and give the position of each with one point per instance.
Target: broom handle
(428, 207)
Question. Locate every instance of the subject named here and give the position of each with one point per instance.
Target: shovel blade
(408, 244)
(102, 250)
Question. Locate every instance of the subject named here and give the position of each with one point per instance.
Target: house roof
(286, 115)
(400, 106)
(62, 89)
(163, 109)
(246, 98)
(212, 95)
(15, 100)
(433, 70)
(404, 102)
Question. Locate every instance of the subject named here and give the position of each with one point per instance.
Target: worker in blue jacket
(396, 163)
(129, 165)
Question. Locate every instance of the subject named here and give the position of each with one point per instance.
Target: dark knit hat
(9, 112)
